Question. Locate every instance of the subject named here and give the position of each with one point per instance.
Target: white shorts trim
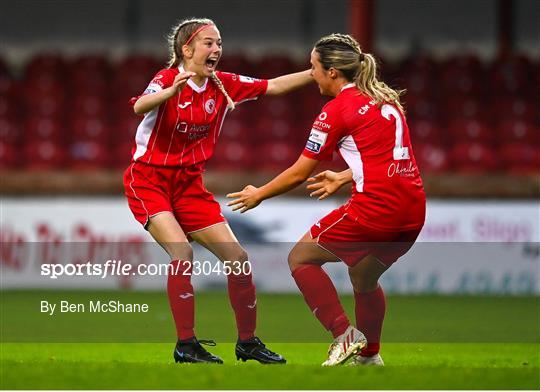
(324, 231)
(160, 212)
(135, 194)
(207, 227)
(332, 253)
(328, 228)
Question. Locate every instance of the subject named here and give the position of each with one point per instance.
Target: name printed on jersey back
(365, 108)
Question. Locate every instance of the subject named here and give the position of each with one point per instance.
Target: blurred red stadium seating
(43, 155)
(431, 158)
(470, 130)
(464, 115)
(473, 157)
(520, 157)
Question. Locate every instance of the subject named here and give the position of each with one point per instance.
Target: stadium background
(472, 71)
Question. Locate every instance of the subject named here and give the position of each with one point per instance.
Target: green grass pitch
(429, 342)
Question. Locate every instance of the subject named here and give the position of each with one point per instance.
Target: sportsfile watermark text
(113, 268)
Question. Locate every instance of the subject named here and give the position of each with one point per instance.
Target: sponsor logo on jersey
(321, 125)
(156, 85)
(199, 128)
(157, 81)
(195, 131)
(184, 105)
(246, 79)
(209, 106)
(316, 141)
(402, 171)
(182, 127)
(149, 91)
(323, 116)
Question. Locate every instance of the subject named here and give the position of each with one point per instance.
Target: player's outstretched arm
(286, 83)
(250, 197)
(148, 102)
(328, 182)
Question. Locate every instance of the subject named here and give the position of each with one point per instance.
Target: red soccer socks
(244, 303)
(369, 309)
(322, 298)
(182, 301)
(181, 298)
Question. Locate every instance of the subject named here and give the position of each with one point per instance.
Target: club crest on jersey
(209, 106)
(316, 141)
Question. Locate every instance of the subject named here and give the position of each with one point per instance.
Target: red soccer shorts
(351, 241)
(151, 190)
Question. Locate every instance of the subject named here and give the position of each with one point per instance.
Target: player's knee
(241, 256)
(240, 272)
(182, 269)
(180, 251)
(239, 265)
(236, 256)
(363, 283)
(295, 259)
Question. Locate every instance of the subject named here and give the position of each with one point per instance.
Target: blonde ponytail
(219, 84)
(367, 82)
(342, 52)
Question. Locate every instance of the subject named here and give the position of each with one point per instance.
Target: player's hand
(324, 184)
(244, 200)
(180, 81)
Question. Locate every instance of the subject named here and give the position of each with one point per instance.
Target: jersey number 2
(400, 152)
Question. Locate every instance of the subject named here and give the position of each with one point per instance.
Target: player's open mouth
(211, 63)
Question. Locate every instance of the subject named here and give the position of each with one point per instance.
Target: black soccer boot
(255, 349)
(191, 351)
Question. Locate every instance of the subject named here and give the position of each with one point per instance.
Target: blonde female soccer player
(365, 123)
(184, 107)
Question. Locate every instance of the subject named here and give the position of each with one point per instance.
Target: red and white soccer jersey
(387, 191)
(173, 142)
(184, 129)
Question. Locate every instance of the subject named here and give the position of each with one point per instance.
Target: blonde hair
(179, 36)
(342, 52)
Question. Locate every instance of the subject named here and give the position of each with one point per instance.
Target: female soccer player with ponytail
(184, 107)
(382, 219)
